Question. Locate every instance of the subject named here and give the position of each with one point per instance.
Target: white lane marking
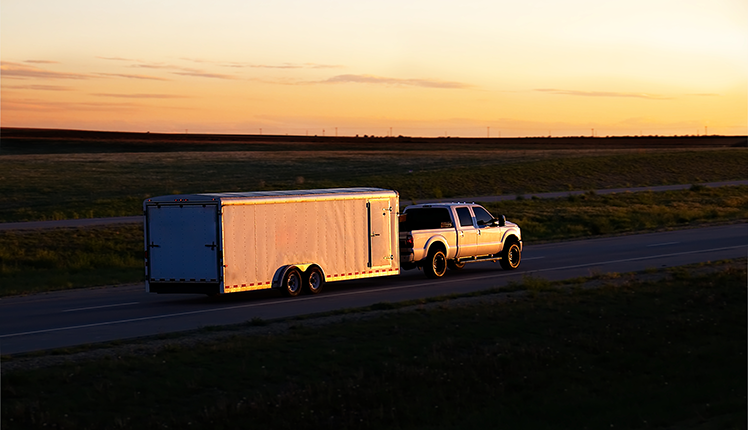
(532, 258)
(662, 244)
(351, 293)
(101, 307)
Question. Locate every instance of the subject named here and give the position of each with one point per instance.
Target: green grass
(591, 214)
(61, 259)
(669, 354)
(35, 261)
(60, 186)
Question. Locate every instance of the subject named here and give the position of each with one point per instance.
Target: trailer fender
(281, 272)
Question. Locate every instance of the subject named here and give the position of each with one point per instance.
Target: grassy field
(73, 258)
(60, 186)
(633, 355)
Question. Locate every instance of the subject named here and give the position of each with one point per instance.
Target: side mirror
(501, 220)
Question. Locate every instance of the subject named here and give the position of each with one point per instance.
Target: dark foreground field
(627, 354)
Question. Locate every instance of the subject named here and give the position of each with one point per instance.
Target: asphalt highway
(69, 318)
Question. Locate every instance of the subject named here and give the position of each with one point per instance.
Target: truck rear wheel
(436, 264)
(292, 282)
(314, 280)
(511, 256)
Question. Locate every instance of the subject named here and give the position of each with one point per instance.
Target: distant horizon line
(370, 136)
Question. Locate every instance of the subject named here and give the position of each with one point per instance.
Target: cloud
(131, 76)
(115, 58)
(293, 66)
(601, 94)
(370, 79)
(49, 106)
(704, 95)
(183, 71)
(22, 71)
(202, 74)
(264, 66)
(38, 87)
(140, 96)
(42, 61)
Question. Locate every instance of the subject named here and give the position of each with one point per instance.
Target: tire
(455, 265)
(511, 256)
(436, 264)
(292, 282)
(314, 280)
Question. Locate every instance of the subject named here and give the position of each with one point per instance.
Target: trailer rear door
(182, 242)
(380, 242)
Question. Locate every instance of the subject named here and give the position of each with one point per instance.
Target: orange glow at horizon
(433, 68)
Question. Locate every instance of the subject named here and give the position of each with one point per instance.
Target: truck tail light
(409, 241)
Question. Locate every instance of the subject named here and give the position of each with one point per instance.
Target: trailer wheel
(292, 282)
(455, 264)
(314, 280)
(436, 263)
(511, 256)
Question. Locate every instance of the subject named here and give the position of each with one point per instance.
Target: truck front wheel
(511, 256)
(435, 264)
(291, 282)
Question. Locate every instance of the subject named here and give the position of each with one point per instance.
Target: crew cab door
(467, 233)
(489, 235)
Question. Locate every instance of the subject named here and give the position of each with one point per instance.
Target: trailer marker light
(350, 274)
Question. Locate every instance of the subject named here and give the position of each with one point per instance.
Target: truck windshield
(426, 219)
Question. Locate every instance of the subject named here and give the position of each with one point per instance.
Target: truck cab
(448, 235)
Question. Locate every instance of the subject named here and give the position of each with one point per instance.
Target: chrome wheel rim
(439, 264)
(514, 255)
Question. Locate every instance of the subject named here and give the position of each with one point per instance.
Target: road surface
(76, 317)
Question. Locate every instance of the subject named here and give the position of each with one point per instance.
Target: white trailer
(289, 240)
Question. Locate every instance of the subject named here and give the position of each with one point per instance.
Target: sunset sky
(415, 67)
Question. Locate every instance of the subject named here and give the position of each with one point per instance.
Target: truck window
(466, 220)
(426, 219)
(482, 215)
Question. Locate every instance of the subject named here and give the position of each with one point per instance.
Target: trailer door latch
(212, 246)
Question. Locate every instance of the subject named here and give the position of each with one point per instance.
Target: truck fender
(436, 239)
(509, 235)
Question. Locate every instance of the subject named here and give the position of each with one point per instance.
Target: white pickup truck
(440, 235)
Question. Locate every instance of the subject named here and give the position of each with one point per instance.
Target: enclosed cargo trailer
(289, 240)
